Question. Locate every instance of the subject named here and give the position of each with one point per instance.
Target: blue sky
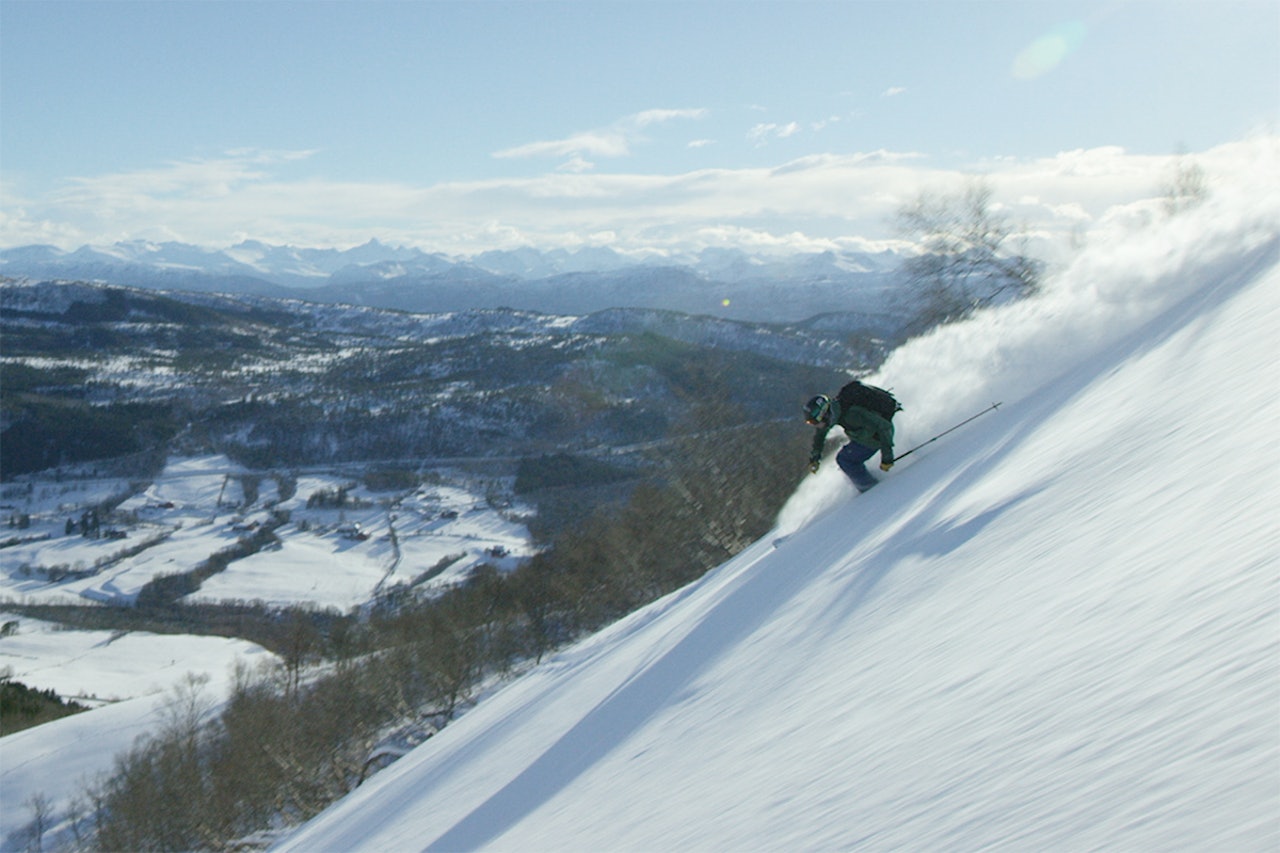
(465, 125)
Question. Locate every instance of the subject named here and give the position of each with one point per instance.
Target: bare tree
(78, 815)
(300, 646)
(964, 262)
(41, 819)
(1185, 187)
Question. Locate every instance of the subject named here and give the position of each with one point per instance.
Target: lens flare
(1047, 52)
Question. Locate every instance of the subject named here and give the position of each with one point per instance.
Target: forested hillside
(93, 372)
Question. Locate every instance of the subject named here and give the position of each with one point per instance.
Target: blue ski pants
(851, 459)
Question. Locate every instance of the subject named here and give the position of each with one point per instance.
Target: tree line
(22, 707)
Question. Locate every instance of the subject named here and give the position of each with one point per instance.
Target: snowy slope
(130, 679)
(1056, 629)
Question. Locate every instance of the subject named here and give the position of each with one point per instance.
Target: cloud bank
(815, 203)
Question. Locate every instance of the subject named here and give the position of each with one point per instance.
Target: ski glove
(885, 466)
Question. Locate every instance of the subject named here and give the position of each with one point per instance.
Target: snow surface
(128, 678)
(1055, 629)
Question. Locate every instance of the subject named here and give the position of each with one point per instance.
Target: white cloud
(762, 133)
(576, 164)
(596, 143)
(893, 91)
(834, 199)
(613, 141)
(648, 117)
(19, 228)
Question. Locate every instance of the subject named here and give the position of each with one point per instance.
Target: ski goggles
(817, 411)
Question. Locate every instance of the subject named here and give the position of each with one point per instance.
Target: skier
(867, 431)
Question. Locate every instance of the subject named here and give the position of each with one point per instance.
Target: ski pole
(900, 456)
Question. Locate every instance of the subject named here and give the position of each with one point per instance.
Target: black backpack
(869, 397)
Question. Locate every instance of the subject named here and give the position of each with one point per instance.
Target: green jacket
(862, 426)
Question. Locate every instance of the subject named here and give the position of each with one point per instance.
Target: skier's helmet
(818, 410)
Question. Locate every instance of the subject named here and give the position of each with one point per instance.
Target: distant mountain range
(722, 282)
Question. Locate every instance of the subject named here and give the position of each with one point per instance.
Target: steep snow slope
(1057, 629)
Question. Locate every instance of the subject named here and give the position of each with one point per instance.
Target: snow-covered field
(1057, 629)
(129, 679)
(195, 508)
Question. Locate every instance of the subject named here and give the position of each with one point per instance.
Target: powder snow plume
(1137, 263)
